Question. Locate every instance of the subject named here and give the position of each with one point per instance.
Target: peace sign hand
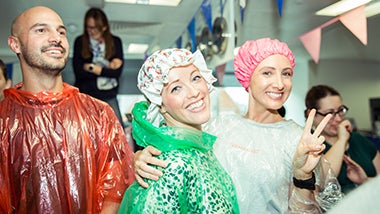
(309, 149)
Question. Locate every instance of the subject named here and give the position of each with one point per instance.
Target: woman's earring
(162, 111)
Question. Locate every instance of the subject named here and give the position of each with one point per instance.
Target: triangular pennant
(279, 5)
(356, 21)
(179, 42)
(191, 29)
(206, 9)
(220, 70)
(242, 4)
(242, 14)
(312, 42)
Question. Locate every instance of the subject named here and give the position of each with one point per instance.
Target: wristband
(305, 184)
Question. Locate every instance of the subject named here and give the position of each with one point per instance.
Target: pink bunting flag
(356, 21)
(220, 70)
(312, 42)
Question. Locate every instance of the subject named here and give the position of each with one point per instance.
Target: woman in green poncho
(177, 84)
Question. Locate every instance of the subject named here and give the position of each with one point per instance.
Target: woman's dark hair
(4, 69)
(101, 21)
(315, 94)
(282, 111)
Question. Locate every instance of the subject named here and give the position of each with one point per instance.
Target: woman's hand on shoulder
(142, 161)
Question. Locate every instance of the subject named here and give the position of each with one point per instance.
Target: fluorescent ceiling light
(135, 48)
(372, 9)
(341, 7)
(170, 3)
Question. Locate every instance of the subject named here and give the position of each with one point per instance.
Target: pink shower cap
(253, 52)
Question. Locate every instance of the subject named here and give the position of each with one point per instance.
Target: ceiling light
(341, 7)
(121, 1)
(170, 3)
(372, 9)
(135, 48)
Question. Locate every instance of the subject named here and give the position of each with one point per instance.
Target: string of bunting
(354, 20)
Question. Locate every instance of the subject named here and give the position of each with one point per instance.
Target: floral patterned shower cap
(253, 52)
(154, 74)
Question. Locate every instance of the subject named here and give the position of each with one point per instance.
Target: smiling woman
(261, 150)
(177, 84)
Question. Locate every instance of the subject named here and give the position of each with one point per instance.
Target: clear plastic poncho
(259, 157)
(60, 153)
(193, 181)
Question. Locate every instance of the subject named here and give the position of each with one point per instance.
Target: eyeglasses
(92, 28)
(341, 112)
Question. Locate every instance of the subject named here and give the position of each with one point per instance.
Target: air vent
(135, 27)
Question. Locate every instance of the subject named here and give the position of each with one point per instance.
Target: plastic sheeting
(328, 192)
(258, 157)
(193, 182)
(60, 153)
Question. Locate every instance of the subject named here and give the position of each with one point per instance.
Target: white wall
(295, 104)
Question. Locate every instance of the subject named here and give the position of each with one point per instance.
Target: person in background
(5, 81)
(98, 60)
(353, 157)
(177, 86)
(262, 151)
(61, 151)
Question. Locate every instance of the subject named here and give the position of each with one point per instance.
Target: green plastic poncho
(193, 181)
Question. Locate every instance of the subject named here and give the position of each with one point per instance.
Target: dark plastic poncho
(193, 181)
(60, 153)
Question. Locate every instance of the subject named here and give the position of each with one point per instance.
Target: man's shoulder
(90, 99)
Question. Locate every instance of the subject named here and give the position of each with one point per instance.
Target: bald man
(61, 151)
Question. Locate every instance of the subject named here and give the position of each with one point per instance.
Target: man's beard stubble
(35, 60)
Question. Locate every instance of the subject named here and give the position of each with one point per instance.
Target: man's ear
(14, 44)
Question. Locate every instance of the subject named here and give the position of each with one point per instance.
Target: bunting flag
(312, 43)
(179, 42)
(191, 29)
(312, 40)
(206, 9)
(220, 70)
(356, 21)
(222, 4)
(242, 4)
(279, 5)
